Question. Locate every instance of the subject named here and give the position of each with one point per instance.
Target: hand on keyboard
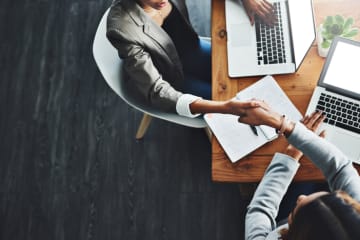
(260, 8)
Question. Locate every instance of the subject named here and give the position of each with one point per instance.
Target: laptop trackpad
(346, 143)
(238, 38)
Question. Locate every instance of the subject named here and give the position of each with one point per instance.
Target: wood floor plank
(70, 167)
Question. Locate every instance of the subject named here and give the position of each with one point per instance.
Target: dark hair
(331, 216)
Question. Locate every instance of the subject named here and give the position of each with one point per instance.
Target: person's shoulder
(117, 12)
(124, 14)
(118, 19)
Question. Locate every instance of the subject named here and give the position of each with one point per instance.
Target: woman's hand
(264, 115)
(312, 122)
(261, 8)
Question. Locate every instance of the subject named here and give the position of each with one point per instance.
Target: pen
(253, 128)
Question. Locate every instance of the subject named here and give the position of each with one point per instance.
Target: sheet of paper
(268, 132)
(236, 139)
(268, 89)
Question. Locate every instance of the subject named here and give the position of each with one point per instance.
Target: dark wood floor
(70, 167)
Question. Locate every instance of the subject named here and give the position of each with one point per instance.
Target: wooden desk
(298, 86)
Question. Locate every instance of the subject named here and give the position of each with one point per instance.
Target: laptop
(338, 95)
(263, 50)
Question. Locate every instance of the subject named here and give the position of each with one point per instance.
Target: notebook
(263, 50)
(338, 95)
(237, 139)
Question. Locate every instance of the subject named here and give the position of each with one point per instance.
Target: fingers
(265, 9)
(264, 105)
(248, 104)
(322, 134)
(251, 16)
(261, 8)
(253, 103)
(314, 121)
(266, 12)
(268, 5)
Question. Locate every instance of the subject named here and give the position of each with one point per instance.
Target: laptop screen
(341, 72)
(302, 27)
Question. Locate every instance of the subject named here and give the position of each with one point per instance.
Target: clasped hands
(256, 112)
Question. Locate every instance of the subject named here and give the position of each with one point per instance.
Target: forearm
(231, 106)
(263, 209)
(336, 167)
(208, 106)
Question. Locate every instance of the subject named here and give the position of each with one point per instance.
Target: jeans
(197, 69)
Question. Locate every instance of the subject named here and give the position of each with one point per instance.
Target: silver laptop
(338, 95)
(262, 50)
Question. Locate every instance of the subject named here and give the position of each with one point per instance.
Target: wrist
(275, 121)
(229, 106)
(289, 128)
(293, 152)
(284, 126)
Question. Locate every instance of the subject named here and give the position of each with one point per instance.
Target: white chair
(110, 66)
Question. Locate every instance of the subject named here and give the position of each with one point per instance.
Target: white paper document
(238, 139)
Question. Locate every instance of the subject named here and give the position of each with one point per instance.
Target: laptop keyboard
(339, 112)
(270, 40)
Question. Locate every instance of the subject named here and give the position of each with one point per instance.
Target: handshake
(256, 112)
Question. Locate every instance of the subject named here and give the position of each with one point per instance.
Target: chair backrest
(110, 66)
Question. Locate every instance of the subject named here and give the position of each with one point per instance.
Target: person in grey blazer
(167, 65)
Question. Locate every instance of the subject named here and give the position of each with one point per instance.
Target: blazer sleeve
(336, 167)
(264, 206)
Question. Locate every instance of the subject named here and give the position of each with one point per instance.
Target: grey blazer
(150, 58)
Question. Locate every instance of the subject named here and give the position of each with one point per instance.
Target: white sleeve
(183, 105)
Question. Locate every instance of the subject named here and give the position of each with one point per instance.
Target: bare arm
(231, 106)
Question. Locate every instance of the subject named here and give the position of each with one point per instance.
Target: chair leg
(208, 133)
(144, 124)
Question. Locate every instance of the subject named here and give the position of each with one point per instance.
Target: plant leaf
(325, 44)
(351, 33)
(328, 21)
(348, 23)
(325, 34)
(339, 19)
(328, 36)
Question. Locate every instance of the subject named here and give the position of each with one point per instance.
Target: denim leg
(197, 87)
(197, 69)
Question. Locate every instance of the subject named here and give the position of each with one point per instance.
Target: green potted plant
(334, 26)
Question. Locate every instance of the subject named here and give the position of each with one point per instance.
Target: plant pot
(321, 51)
